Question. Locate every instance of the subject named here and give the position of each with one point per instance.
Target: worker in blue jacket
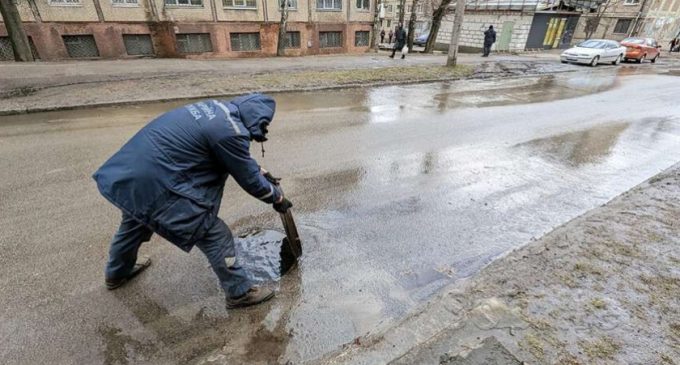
(169, 179)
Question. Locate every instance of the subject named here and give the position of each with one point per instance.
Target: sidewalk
(601, 289)
(43, 86)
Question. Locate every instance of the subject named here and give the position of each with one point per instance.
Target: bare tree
(592, 23)
(15, 30)
(281, 45)
(375, 41)
(402, 4)
(412, 24)
(437, 16)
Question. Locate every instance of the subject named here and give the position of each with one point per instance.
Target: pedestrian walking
(489, 40)
(169, 179)
(391, 34)
(399, 41)
(382, 36)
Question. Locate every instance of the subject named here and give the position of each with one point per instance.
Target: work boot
(254, 295)
(403, 56)
(138, 268)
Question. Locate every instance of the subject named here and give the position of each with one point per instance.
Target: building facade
(61, 29)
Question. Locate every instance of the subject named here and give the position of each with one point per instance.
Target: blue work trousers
(217, 245)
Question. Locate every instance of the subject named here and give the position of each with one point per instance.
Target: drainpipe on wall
(635, 28)
(35, 11)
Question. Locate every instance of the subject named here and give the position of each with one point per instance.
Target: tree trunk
(437, 16)
(376, 28)
(15, 30)
(455, 33)
(402, 12)
(412, 25)
(281, 45)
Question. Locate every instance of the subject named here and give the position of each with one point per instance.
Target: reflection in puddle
(579, 148)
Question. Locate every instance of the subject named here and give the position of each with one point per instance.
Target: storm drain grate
(138, 44)
(81, 46)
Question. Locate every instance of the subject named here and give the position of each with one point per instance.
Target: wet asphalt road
(398, 191)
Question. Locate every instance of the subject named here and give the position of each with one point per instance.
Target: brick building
(60, 29)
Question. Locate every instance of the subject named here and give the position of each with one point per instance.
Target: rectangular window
(125, 2)
(389, 23)
(419, 8)
(7, 53)
(293, 40)
(329, 4)
(240, 4)
(138, 44)
(292, 4)
(184, 2)
(363, 4)
(631, 2)
(361, 39)
(390, 8)
(245, 41)
(193, 42)
(64, 2)
(330, 39)
(622, 26)
(80, 46)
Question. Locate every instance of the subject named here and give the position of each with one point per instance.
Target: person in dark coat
(169, 179)
(382, 36)
(399, 41)
(489, 40)
(674, 43)
(391, 34)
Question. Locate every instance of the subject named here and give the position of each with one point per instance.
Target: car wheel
(641, 59)
(617, 60)
(594, 61)
(653, 60)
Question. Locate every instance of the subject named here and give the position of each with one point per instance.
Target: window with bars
(622, 26)
(293, 40)
(7, 52)
(245, 41)
(361, 38)
(64, 2)
(125, 2)
(330, 39)
(138, 44)
(363, 4)
(292, 4)
(80, 46)
(184, 2)
(193, 42)
(329, 4)
(240, 4)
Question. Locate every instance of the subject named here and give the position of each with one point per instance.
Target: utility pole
(15, 30)
(281, 45)
(455, 33)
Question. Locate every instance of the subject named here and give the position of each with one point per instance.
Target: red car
(640, 49)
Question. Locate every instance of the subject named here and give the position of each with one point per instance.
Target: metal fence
(81, 46)
(245, 41)
(7, 53)
(138, 44)
(361, 38)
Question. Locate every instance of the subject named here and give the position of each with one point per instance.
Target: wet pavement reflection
(398, 191)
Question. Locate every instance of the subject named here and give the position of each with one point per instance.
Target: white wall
(474, 25)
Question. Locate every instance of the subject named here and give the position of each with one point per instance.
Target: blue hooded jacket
(170, 176)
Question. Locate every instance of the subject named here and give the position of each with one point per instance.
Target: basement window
(245, 41)
(361, 39)
(622, 26)
(138, 44)
(330, 39)
(81, 46)
(292, 39)
(194, 43)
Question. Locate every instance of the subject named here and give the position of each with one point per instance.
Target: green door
(506, 36)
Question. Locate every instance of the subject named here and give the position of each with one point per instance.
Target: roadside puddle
(265, 254)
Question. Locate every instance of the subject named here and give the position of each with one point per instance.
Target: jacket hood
(256, 112)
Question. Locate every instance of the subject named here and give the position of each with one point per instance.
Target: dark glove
(283, 206)
(274, 180)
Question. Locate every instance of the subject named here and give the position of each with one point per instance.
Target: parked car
(640, 49)
(594, 52)
(421, 39)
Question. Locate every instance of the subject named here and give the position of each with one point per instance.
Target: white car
(595, 51)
